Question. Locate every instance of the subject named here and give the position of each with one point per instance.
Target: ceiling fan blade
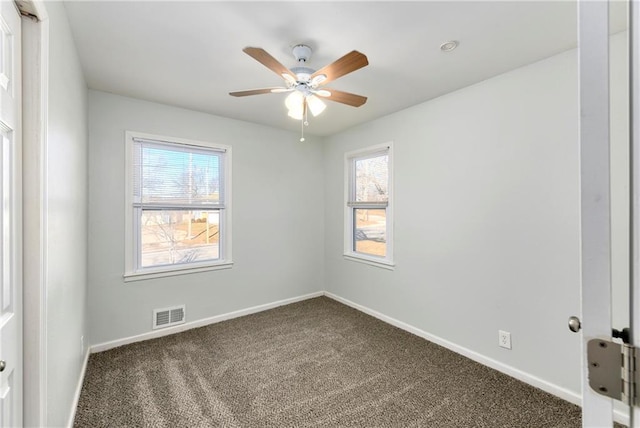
(343, 97)
(352, 61)
(264, 58)
(257, 91)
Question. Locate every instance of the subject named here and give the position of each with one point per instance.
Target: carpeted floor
(316, 363)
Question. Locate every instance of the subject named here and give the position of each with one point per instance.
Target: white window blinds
(370, 181)
(177, 175)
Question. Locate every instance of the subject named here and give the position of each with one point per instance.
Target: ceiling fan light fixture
(295, 104)
(316, 105)
(294, 101)
(296, 114)
(322, 93)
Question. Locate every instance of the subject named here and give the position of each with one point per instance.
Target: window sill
(161, 273)
(384, 264)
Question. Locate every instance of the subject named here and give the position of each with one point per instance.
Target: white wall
(278, 225)
(486, 219)
(66, 218)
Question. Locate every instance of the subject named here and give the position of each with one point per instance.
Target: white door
(10, 218)
(593, 52)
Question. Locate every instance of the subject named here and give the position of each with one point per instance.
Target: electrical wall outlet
(504, 339)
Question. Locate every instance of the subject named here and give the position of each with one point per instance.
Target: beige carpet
(316, 363)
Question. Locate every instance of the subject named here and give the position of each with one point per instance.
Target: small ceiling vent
(168, 316)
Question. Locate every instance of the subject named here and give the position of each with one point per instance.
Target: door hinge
(613, 370)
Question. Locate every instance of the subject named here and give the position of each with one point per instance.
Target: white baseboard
(76, 396)
(200, 323)
(549, 387)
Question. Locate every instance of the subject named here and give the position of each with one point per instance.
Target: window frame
(133, 271)
(386, 262)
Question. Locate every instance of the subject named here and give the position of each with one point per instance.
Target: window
(178, 206)
(368, 213)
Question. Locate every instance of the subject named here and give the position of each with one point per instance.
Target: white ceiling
(189, 54)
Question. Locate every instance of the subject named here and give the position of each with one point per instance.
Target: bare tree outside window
(177, 237)
(371, 186)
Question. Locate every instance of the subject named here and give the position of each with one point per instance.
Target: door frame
(634, 151)
(593, 53)
(11, 170)
(35, 62)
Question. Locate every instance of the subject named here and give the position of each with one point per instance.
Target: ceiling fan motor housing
(303, 74)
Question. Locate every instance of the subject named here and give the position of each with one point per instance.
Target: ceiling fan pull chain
(306, 112)
(301, 130)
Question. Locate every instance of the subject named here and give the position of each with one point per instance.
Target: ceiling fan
(304, 83)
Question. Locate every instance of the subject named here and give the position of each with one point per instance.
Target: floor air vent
(168, 316)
